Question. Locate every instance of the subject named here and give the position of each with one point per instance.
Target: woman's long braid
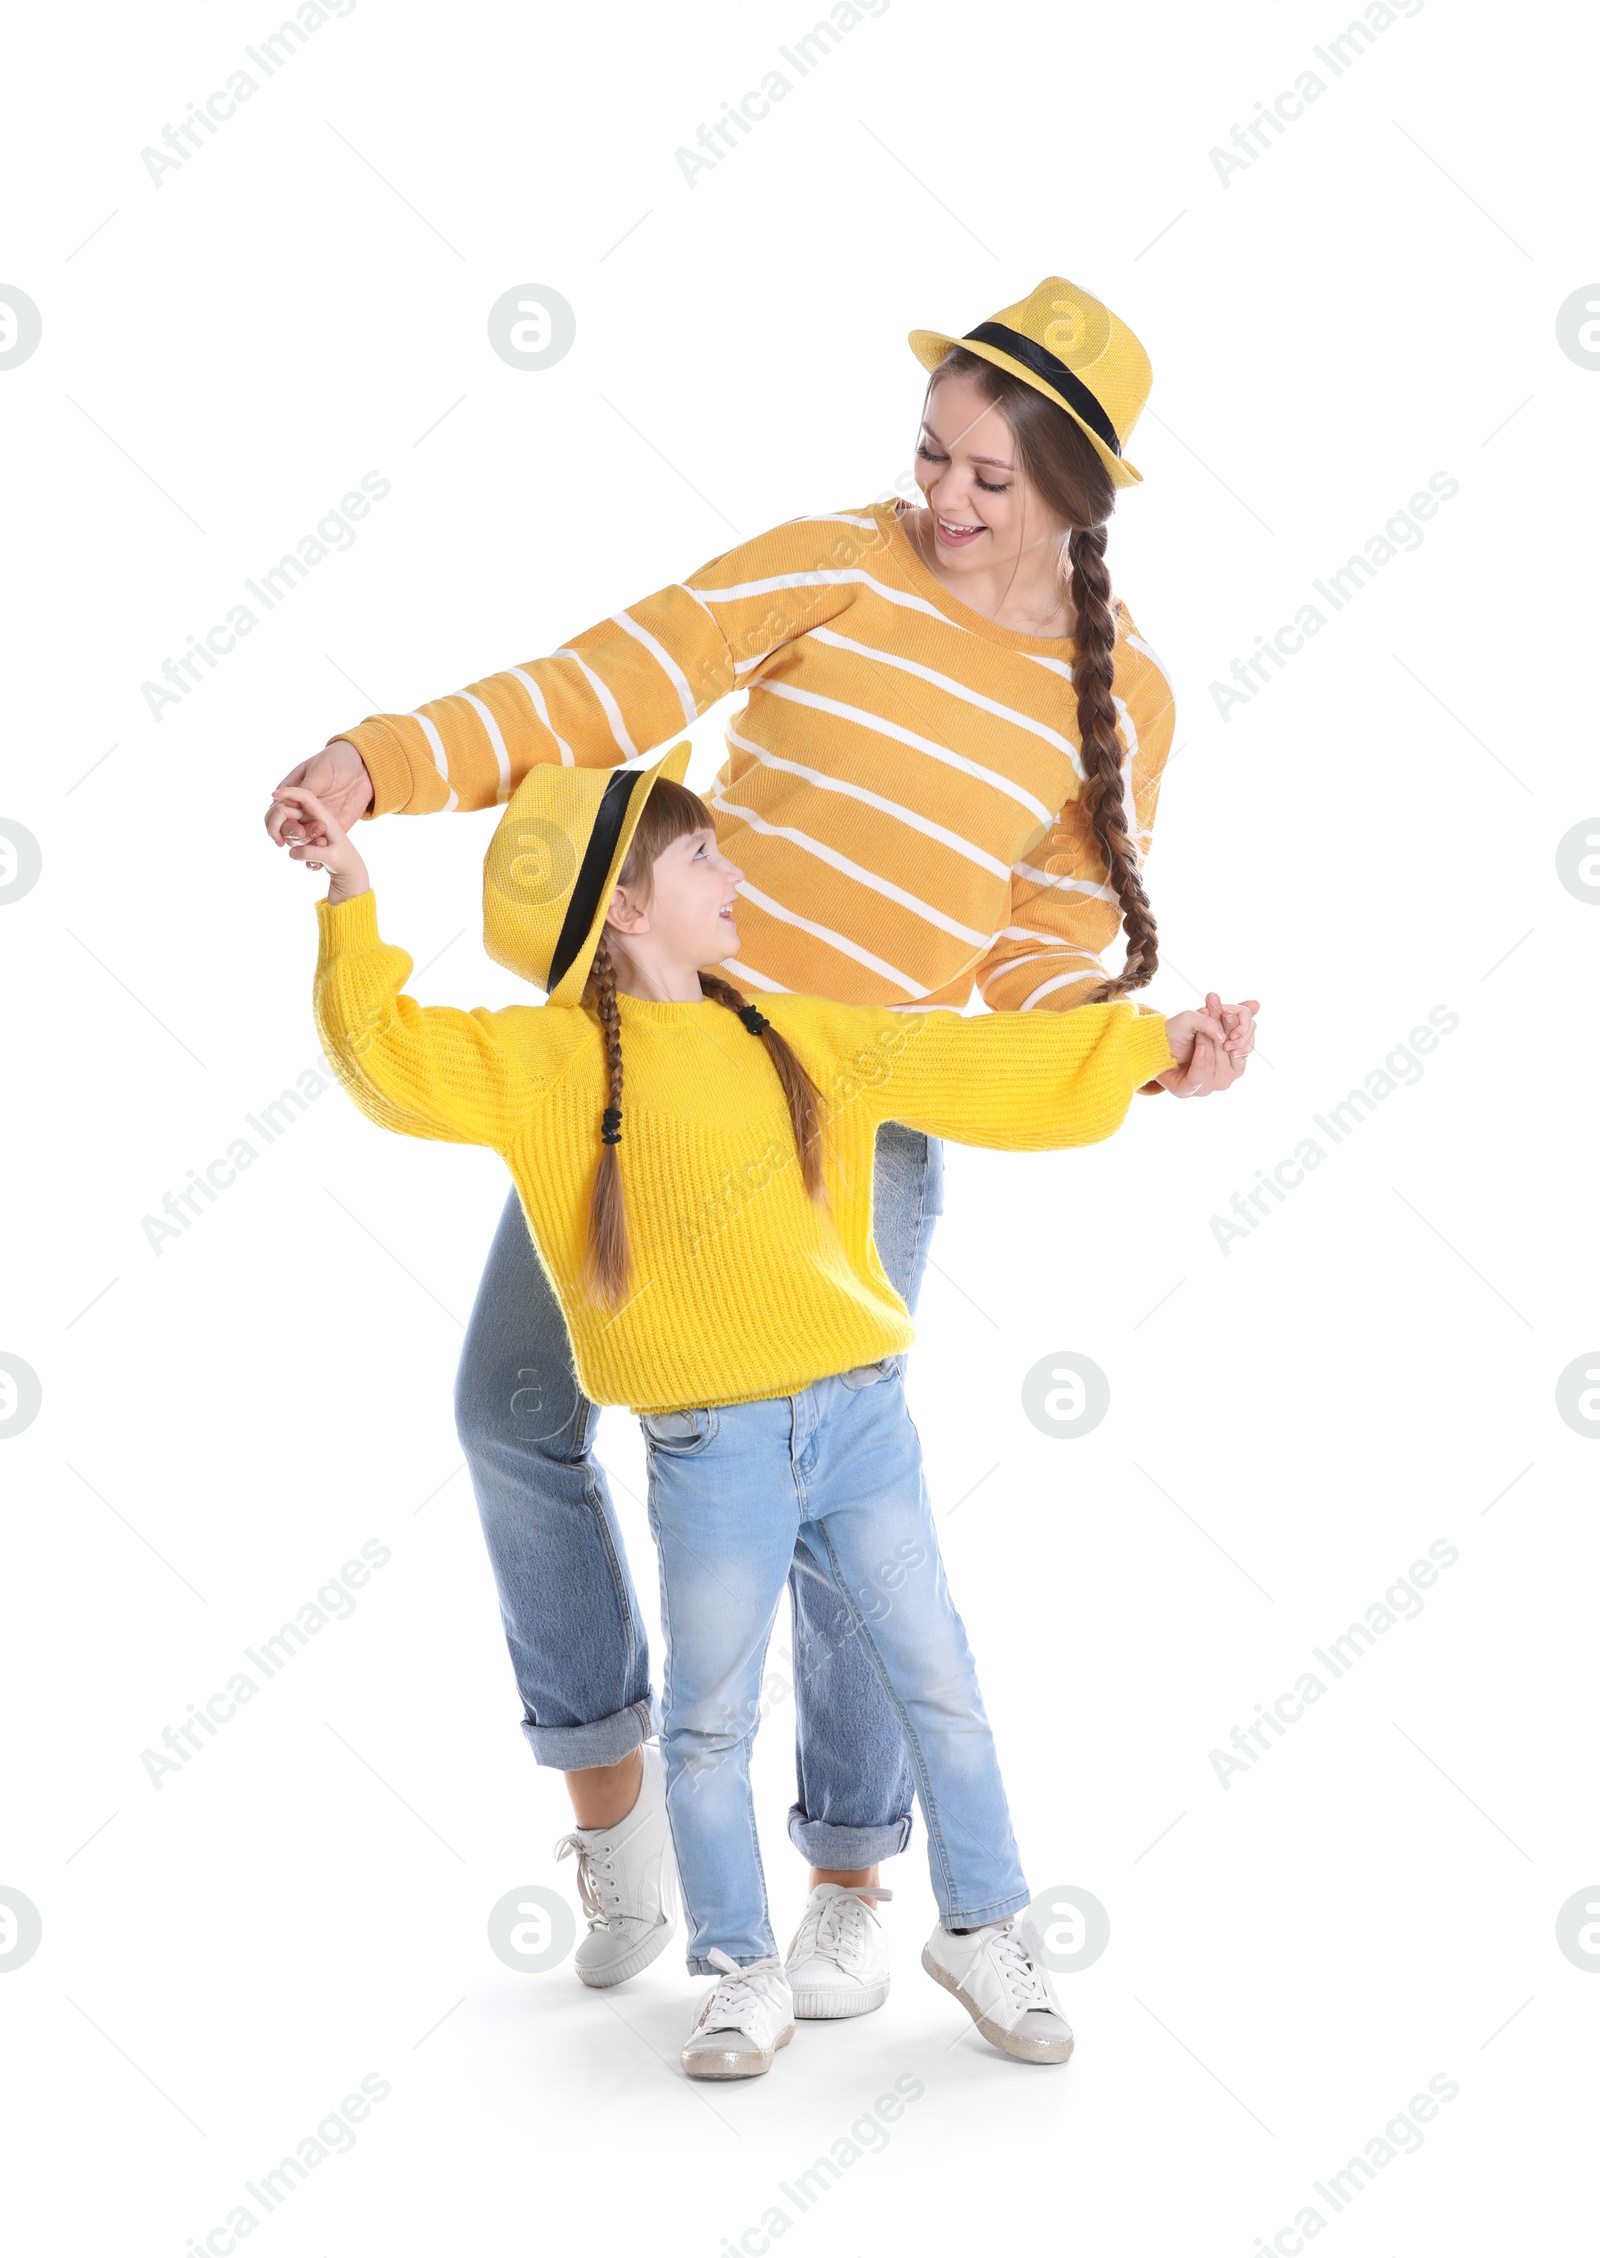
(1103, 797)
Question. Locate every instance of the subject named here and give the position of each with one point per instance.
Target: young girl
(697, 1177)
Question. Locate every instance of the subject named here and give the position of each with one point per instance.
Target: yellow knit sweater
(742, 1286)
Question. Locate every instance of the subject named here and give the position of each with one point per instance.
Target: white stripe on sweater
(1067, 883)
(955, 689)
(850, 576)
(700, 600)
(1046, 947)
(849, 869)
(1092, 970)
(608, 704)
(1062, 980)
(539, 707)
(1138, 643)
(1130, 734)
(922, 823)
(839, 941)
(441, 759)
(497, 742)
(919, 744)
(741, 971)
(664, 658)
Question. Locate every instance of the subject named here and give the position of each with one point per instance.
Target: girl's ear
(621, 914)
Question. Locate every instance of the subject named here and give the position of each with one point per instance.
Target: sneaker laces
(599, 1891)
(737, 1991)
(1020, 1972)
(837, 1928)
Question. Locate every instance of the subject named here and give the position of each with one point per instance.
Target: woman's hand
(1211, 1047)
(330, 847)
(338, 776)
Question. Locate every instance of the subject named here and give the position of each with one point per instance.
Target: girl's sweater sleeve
(1020, 1081)
(621, 687)
(467, 1077)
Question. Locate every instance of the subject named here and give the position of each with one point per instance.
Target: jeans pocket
(680, 1433)
(868, 1375)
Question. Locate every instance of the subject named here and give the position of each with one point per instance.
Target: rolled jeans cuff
(981, 1916)
(573, 1748)
(846, 1850)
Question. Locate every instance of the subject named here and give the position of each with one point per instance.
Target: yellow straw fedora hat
(553, 862)
(1075, 351)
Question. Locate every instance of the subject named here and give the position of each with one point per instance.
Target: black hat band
(592, 873)
(1069, 389)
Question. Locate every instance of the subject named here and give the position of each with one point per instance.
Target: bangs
(671, 812)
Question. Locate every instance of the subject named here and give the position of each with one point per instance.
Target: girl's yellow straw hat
(1074, 350)
(552, 866)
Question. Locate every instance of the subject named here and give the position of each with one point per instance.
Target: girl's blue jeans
(832, 1475)
(578, 1645)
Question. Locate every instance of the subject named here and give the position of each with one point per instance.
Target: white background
(1292, 1955)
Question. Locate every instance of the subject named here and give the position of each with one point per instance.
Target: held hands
(318, 840)
(337, 775)
(1212, 1047)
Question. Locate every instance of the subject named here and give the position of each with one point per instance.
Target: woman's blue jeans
(572, 1623)
(738, 1491)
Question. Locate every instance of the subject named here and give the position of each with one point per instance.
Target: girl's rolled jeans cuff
(574, 1748)
(984, 1916)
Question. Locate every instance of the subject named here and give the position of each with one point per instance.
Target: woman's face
(985, 510)
(687, 918)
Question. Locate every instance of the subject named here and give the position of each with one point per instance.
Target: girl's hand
(1211, 1047)
(331, 851)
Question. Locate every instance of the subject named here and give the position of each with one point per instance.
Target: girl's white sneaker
(744, 2018)
(1004, 1987)
(838, 1963)
(627, 1882)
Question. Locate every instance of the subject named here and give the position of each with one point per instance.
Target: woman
(944, 776)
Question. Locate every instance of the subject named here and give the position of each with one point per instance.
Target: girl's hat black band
(1070, 389)
(592, 871)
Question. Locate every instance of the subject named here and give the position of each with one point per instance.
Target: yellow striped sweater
(901, 785)
(742, 1286)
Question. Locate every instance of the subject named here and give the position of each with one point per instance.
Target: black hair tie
(611, 1126)
(753, 1019)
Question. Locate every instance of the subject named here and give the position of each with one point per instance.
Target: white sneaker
(743, 2020)
(627, 1882)
(838, 1963)
(996, 1975)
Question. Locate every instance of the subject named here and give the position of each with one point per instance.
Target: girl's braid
(610, 1261)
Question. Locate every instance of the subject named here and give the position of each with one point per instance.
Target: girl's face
(687, 920)
(983, 504)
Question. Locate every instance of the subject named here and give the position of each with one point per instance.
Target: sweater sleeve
(623, 686)
(1016, 1081)
(465, 1077)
